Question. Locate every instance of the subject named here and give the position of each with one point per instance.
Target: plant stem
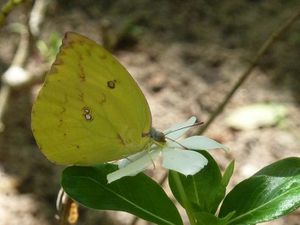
(263, 49)
(185, 201)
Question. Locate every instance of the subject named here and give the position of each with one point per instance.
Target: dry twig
(16, 75)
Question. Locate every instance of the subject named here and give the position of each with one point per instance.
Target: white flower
(176, 154)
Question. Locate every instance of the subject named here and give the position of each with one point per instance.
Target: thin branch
(37, 16)
(264, 48)
(21, 55)
(16, 75)
(7, 8)
(4, 95)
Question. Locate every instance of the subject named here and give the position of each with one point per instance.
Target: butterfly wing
(89, 110)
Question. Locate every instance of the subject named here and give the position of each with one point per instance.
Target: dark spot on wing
(111, 84)
(87, 114)
(67, 40)
(53, 69)
(60, 122)
(81, 73)
(103, 56)
(121, 139)
(80, 96)
(102, 99)
(63, 110)
(88, 52)
(58, 61)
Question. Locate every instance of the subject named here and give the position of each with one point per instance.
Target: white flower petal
(124, 162)
(201, 143)
(134, 167)
(177, 130)
(183, 161)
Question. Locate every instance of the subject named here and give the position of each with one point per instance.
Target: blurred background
(185, 55)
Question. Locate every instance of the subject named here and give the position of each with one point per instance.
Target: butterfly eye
(157, 135)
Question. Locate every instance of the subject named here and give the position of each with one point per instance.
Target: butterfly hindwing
(89, 110)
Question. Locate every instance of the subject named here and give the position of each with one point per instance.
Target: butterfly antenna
(193, 125)
(177, 143)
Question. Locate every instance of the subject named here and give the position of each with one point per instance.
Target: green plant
(272, 192)
(49, 48)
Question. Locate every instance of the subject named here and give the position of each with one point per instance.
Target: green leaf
(227, 174)
(203, 191)
(138, 195)
(288, 167)
(204, 218)
(272, 192)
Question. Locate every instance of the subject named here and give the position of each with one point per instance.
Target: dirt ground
(183, 70)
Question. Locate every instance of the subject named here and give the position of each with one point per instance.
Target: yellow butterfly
(90, 110)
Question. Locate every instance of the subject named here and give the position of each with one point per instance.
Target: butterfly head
(157, 135)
